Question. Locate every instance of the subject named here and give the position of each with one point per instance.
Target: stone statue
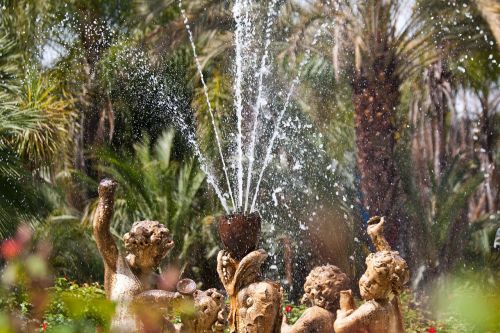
(210, 313)
(255, 305)
(322, 293)
(380, 285)
(128, 275)
(130, 280)
(199, 311)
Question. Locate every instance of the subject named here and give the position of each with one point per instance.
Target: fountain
(240, 233)
(242, 200)
(255, 304)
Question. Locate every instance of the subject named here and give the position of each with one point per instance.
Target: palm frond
(153, 186)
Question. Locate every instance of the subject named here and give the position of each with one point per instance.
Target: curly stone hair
(144, 233)
(323, 286)
(390, 265)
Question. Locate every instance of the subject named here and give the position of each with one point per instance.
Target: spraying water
(205, 90)
(242, 20)
(245, 31)
(171, 103)
(259, 102)
(276, 131)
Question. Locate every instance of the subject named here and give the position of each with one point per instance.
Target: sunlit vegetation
(397, 114)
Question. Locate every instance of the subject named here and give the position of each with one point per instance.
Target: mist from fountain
(138, 58)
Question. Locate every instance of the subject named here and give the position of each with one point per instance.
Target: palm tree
(490, 10)
(387, 50)
(33, 124)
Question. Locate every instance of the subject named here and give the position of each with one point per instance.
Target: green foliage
(20, 200)
(42, 143)
(74, 254)
(449, 196)
(33, 127)
(293, 312)
(154, 186)
(77, 308)
(71, 308)
(463, 300)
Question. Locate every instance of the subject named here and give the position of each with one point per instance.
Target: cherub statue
(322, 294)
(128, 275)
(255, 305)
(210, 313)
(380, 285)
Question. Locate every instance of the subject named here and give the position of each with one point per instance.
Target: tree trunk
(376, 97)
(439, 88)
(486, 155)
(96, 116)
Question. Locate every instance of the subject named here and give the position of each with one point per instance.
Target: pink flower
(44, 326)
(10, 248)
(431, 329)
(288, 309)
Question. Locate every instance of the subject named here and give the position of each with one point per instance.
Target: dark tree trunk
(96, 112)
(438, 84)
(490, 186)
(376, 97)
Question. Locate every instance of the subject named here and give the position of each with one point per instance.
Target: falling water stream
(205, 89)
(271, 13)
(244, 32)
(242, 22)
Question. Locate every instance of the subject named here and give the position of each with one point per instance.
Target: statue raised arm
(376, 232)
(102, 220)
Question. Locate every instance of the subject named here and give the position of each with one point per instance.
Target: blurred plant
(463, 299)
(29, 303)
(77, 308)
(74, 254)
(24, 280)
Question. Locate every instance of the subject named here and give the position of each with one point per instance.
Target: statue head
(323, 285)
(386, 274)
(147, 243)
(257, 310)
(209, 306)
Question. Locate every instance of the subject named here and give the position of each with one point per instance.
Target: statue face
(257, 308)
(320, 294)
(148, 257)
(374, 284)
(208, 305)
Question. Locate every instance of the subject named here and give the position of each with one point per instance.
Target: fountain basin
(239, 233)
